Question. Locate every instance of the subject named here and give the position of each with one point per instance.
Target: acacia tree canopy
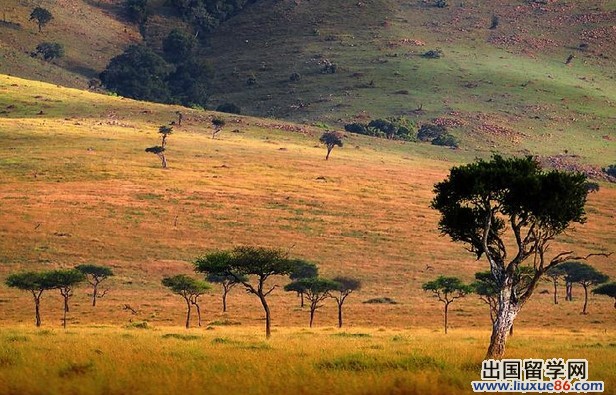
(485, 202)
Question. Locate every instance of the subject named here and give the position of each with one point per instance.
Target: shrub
(252, 80)
(429, 131)
(229, 108)
(441, 4)
(50, 51)
(447, 140)
(610, 170)
(381, 300)
(433, 54)
(592, 186)
(295, 77)
(359, 128)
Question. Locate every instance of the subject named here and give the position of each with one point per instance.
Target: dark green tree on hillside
(189, 83)
(136, 10)
(585, 275)
(190, 289)
(50, 51)
(65, 281)
(303, 269)
(315, 289)
(346, 286)
(331, 139)
(95, 275)
(159, 150)
(608, 289)
(257, 262)
(42, 16)
(446, 290)
(485, 203)
(138, 73)
(178, 46)
(35, 283)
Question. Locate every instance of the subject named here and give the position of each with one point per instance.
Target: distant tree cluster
(49, 50)
(177, 77)
(574, 272)
(63, 280)
(206, 15)
(253, 267)
(437, 135)
(398, 128)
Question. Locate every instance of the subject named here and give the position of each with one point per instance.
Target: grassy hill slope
(505, 89)
(78, 187)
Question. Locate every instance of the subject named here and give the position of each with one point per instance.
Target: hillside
(505, 89)
(78, 187)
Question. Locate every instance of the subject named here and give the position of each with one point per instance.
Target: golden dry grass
(76, 186)
(166, 360)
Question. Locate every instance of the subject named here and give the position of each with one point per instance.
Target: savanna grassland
(77, 187)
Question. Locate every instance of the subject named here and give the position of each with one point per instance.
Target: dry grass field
(77, 187)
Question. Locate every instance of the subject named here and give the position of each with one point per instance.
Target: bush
(429, 131)
(252, 80)
(359, 128)
(382, 300)
(433, 54)
(50, 51)
(441, 3)
(177, 46)
(446, 140)
(592, 186)
(229, 108)
(295, 77)
(610, 170)
(136, 10)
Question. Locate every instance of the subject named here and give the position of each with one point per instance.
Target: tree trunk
(37, 309)
(187, 314)
(585, 299)
(568, 295)
(224, 299)
(94, 294)
(268, 331)
(507, 312)
(198, 313)
(65, 310)
(301, 295)
(511, 330)
(446, 311)
(339, 315)
(329, 150)
(555, 291)
(311, 316)
(164, 161)
(615, 303)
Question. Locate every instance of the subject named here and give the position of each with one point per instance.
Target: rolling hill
(77, 187)
(505, 89)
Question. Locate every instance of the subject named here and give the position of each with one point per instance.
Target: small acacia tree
(447, 289)
(554, 275)
(608, 289)
(346, 286)
(585, 275)
(95, 275)
(303, 269)
(35, 283)
(331, 139)
(261, 263)
(159, 150)
(223, 258)
(65, 281)
(315, 289)
(42, 16)
(481, 202)
(190, 289)
(218, 124)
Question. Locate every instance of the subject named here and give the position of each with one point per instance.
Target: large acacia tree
(315, 289)
(346, 286)
(585, 275)
(257, 262)
(95, 275)
(64, 280)
(190, 289)
(447, 290)
(35, 283)
(487, 203)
